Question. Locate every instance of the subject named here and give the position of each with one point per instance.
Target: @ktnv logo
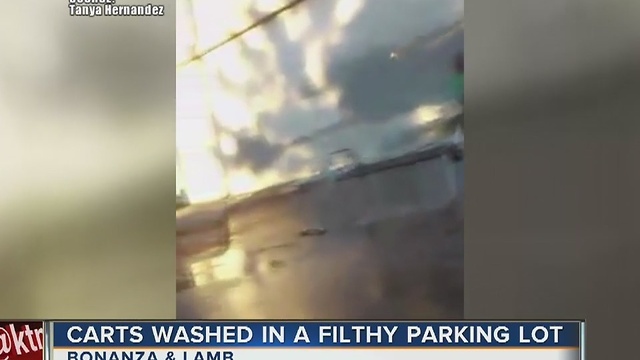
(17, 340)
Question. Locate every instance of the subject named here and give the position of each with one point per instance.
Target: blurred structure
(87, 122)
(305, 119)
(270, 88)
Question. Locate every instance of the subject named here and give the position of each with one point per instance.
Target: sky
(317, 79)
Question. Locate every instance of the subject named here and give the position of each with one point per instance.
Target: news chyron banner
(315, 341)
(21, 340)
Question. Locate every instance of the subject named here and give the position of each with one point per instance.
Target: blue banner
(314, 334)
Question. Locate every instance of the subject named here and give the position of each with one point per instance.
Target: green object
(458, 87)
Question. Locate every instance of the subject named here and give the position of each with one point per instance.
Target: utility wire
(263, 20)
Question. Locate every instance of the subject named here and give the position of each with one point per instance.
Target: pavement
(402, 261)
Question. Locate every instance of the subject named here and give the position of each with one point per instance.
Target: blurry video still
(320, 159)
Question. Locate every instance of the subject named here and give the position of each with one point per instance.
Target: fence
(421, 183)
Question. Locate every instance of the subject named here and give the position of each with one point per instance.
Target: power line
(263, 20)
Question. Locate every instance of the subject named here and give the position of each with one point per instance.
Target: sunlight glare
(194, 134)
(296, 22)
(203, 176)
(314, 66)
(200, 171)
(268, 5)
(228, 266)
(228, 145)
(229, 109)
(231, 64)
(190, 94)
(256, 39)
(427, 113)
(184, 36)
(271, 98)
(242, 181)
(232, 112)
(346, 10)
(217, 20)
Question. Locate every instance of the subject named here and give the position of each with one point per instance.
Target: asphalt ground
(403, 264)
